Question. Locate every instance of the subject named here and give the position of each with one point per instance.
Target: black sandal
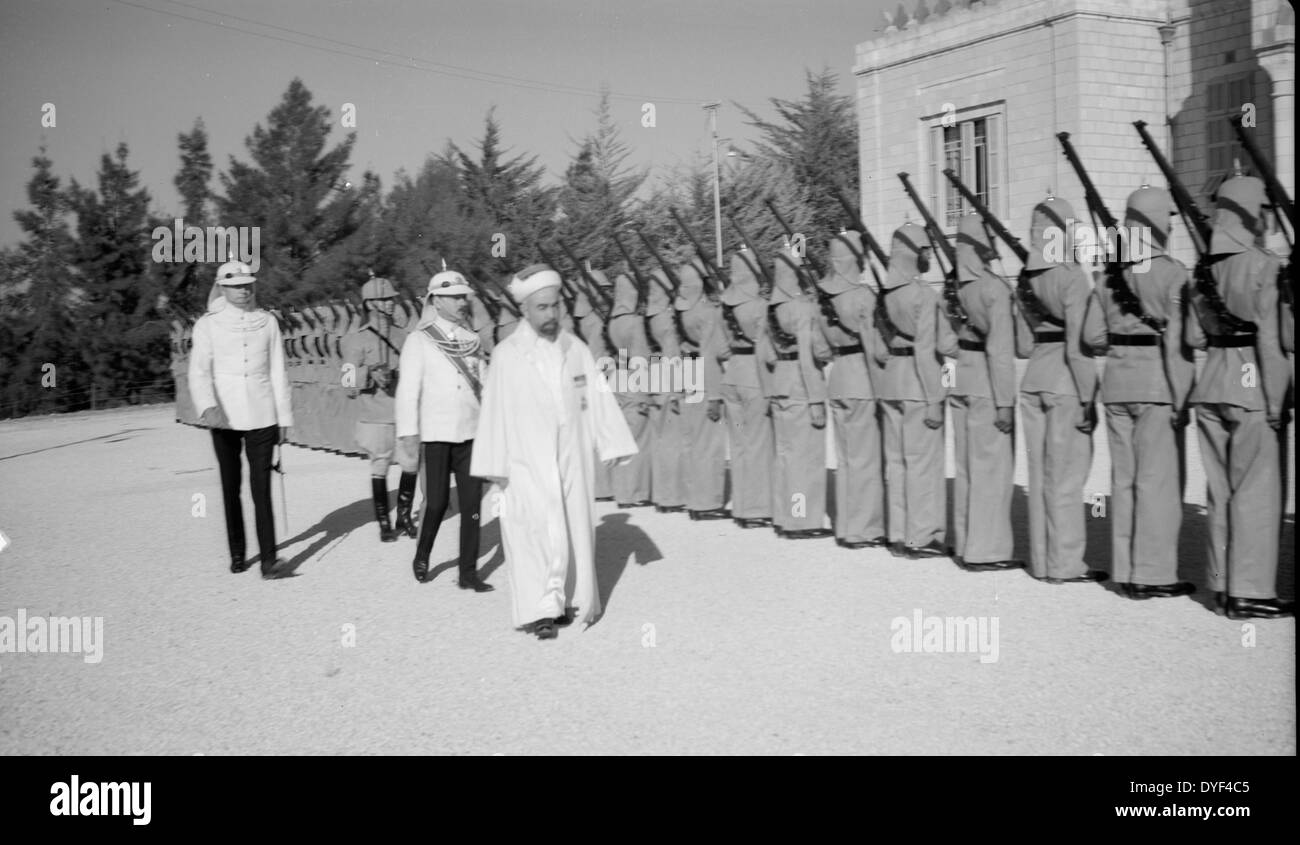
(545, 629)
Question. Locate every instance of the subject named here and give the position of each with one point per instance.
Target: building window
(1224, 99)
(971, 146)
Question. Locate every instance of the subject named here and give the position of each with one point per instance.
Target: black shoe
(238, 564)
(1087, 577)
(877, 542)
(853, 544)
(669, 508)
(643, 503)
(1220, 601)
(897, 549)
(1259, 608)
(545, 629)
(406, 523)
(566, 619)
(420, 567)
(275, 571)
(931, 549)
(1158, 591)
(753, 522)
(379, 492)
(715, 513)
(993, 566)
(806, 533)
(604, 498)
(475, 584)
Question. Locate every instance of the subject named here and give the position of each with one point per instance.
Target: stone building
(983, 87)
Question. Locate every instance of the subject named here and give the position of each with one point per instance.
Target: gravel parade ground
(715, 640)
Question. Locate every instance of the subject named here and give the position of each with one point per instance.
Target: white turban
(532, 279)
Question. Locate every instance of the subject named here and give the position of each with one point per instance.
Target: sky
(418, 72)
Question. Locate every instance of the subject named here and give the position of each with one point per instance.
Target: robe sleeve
(609, 428)
(491, 458)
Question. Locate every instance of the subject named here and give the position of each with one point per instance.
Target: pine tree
(816, 141)
(599, 187)
(123, 341)
(295, 190)
(189, 283)
(41, 330)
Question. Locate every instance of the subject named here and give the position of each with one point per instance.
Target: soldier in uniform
(627, 335)
(1145, 386)
(1239, 402)
(793, 350)
(666, 426)
(1057, 395)
(371, 360)
(982, 399)
(702, 463)
(740, 388)
(911, 400)
(845, 322)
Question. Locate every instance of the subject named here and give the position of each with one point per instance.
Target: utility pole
(712, 109)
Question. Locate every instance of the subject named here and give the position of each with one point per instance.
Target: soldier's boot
(406, 524)
(379, 491)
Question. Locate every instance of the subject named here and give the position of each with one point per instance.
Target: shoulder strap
(459, 363)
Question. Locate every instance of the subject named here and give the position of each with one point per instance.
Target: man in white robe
(547, 412)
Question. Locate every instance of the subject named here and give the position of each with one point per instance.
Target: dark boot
(405, 498)
(379, 491)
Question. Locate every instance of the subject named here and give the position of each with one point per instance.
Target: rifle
(879, 313)
(672, 280)
(1199, 227)
(642, 291)
(1125, 298)
(713, 283)
(1026, 300)
(779, 335)
(790, 233)
(942, 249)
(855, 222)
(595, 293)
(1279, 199)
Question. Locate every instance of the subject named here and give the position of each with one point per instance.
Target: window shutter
(993, 131)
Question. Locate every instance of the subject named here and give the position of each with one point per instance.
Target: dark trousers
(440, 461)
(259, 443)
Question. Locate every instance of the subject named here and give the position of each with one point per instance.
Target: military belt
(904, 351)
(852, 349)
(971, 345)
(1133, 339)
(742, 350)
(788, 356)
(1049, 337)
(1230, 341)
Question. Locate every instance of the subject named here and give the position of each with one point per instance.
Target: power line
(406, 63)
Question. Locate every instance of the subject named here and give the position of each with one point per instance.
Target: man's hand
(212, 418)
(818, 412)
(1087, 419)
(934, 416)
(382, 377)
(714, 410)
(1005, 421)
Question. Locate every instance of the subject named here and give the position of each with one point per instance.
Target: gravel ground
(715, 640)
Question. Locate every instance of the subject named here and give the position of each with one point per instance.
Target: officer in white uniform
(438, 399)
(240, 391)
